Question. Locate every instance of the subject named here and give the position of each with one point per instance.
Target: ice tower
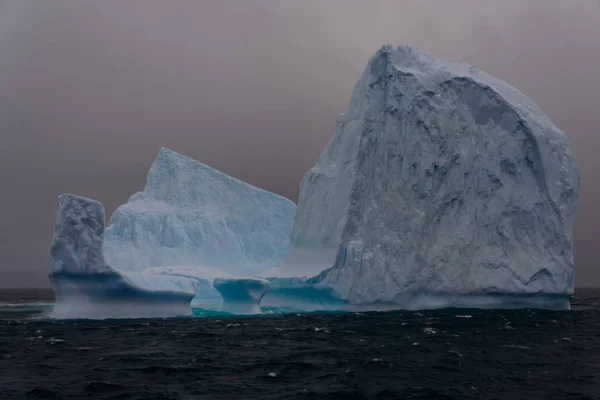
(442, 186)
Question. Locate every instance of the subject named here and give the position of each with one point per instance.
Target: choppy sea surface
(441, 354)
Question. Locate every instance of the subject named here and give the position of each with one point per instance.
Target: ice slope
(442, 186)
(86, 286)
(191, 214)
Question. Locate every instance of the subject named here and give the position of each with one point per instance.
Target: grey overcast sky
(89, 91)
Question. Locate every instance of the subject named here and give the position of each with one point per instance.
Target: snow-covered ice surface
(442, 186)
(191, 214)
(86, 286)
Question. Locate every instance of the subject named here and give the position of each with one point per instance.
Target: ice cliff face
(441, 184)
(192, 215)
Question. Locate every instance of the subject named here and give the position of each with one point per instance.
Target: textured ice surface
(241, 295)
(191, 214)
(85, 286)
(441, 186)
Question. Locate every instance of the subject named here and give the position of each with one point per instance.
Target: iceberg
(86, 286)
(442, 186)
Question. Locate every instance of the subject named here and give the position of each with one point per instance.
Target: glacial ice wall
(192, 215)
(441, 186)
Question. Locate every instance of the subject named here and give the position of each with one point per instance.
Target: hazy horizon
(92, 90)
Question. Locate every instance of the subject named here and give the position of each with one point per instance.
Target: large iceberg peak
(442, 182)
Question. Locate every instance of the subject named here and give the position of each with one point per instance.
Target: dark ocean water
(442, 354)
